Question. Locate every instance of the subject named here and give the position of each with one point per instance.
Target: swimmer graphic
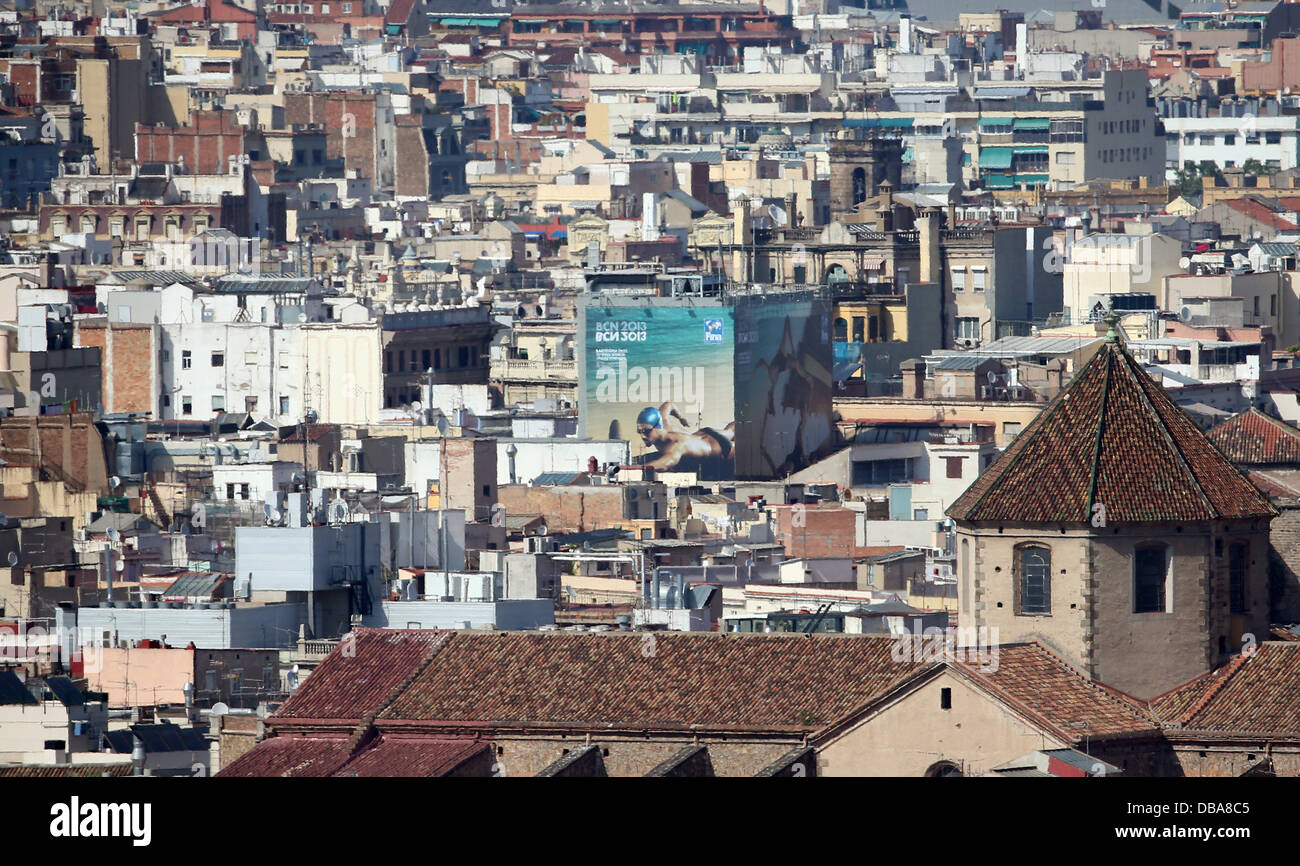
(664, 429)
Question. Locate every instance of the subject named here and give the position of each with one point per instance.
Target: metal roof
(1187, 343)
(157, 738)
(195, 583)
(1021, 346)
(961, 362)
(65, 692)
(157, 278)
(1276, 249)
(549, 479)
(12, 690)
(264, 285)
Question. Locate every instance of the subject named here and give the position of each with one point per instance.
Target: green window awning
(462, 22)
(998, 181)
(606, 21)
(987, 122)
(878, 123)
(530, 20)
(1030, 148)
(1031, 124)
(995, 157)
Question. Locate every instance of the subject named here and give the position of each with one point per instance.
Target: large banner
(783, 385)
(662, 378)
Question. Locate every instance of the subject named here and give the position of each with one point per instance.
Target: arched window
(943, 770)
(1033, 580)
(859, 186)
(841, 331)
(1151, 579)
(1238, 556)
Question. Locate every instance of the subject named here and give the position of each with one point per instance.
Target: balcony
(313, 652)
(565, 370)
(978, 436)
(967, 235)
(850, 289)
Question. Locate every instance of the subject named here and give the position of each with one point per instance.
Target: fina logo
(713, 330)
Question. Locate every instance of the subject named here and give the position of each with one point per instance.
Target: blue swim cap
(650, 416)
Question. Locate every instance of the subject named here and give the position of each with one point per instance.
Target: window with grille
(1035, 580)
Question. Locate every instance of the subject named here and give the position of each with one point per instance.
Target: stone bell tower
(859, 165)
(1112, 531)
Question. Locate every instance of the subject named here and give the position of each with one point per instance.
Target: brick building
(1268, 451)
(425, 703)
(131, 355)
(355, 129)
(206, 145)
(1111, 523)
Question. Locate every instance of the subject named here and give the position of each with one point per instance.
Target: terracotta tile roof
(1254, 438)
(720, 681)
(1030, 677)
(1272, 486)
(1250, 694)
(1114, 437)
(1260, 213)
(291, 756)
(359, 680)
(398, 756)
(399, 12)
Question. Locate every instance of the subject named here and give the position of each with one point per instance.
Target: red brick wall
(206, 144)
(1278, 72)
(331, 110)
(567, 509)
(127, 378)
(25, 78)
(825, 530)
(411, 154)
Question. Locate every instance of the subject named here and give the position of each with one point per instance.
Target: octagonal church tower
(1113, 531)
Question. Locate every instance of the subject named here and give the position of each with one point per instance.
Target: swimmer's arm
(670, 457)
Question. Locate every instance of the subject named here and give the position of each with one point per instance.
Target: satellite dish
(119, 565)
(219, 709)
(4, 519)
(302, 317)
(542, 530)
(339, 510)
(115, 482)
(1184, 262)
(275, 516)
(13, 559)
(417, 406)
(113, 535)
(993, 377)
